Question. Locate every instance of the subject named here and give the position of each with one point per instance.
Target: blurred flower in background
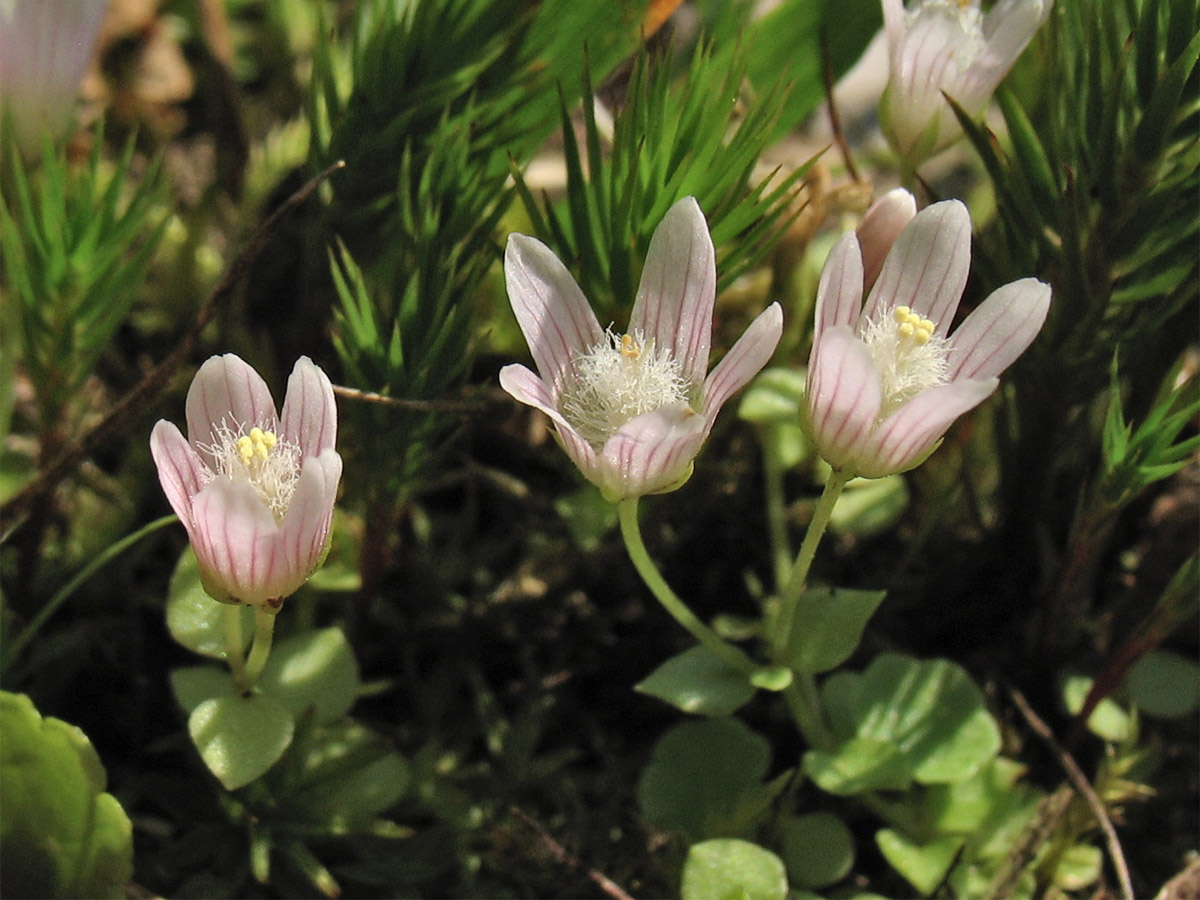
(632, 410)
(947, 46)
(45, 48)
(254, 490)
(886, 379)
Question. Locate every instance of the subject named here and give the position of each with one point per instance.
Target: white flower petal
(309, 418)
(180, 471)
(651, 452)
(844, 396)
(992, 337)
(905, 438)
(745, 359)
(927, 267)
(840, 290)
(226, 390)
(526, 387)
(550, 308)
(879, 228)
(674, 305)
(236, 539)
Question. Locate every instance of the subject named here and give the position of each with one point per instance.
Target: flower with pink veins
(254, 490)
(886, 378)
(631, 410)
(950, 47)
(45, 48)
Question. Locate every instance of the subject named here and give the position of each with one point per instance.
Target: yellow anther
(928, 325)
(906, 329)
(901, 313)
(245, 448)
(629, 347)
(269, 440)
(921, 335)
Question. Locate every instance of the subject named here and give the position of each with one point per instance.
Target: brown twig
(135, 402)
(561, 856)
(835, 120)
(1083, 786)
(441, 406)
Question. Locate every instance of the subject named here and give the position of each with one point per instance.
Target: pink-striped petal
(180, 471)
(674, 305)
(305, 527)
(527, 388)
(650, 452)
(879, 228)
(309, 418)
(844, 396)
(908, 435)
(226, 390)
(550, 308)
(928, 266)
(1008, 28)
(236, 539)
(745, 359)
(992, 337)
(840, 290)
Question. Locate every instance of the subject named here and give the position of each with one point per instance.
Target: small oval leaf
(239, 738)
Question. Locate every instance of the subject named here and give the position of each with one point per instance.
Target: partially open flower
(633, 409)
(947, 46)
(45, 47)
(886, 379)
(254, 490)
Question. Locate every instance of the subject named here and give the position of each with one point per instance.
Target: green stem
(802, 698)
(234, 642)
(264, 632)
(789, 594)
(631, 532)
(29, 632)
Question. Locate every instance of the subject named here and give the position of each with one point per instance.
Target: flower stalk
(627, 516)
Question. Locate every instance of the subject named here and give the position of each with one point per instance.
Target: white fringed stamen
(621, 377)
(271, 465)
(908, 354)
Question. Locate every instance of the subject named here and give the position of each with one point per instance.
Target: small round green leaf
(730, 869)
(1166, 684)
(698, 773)
(859, 765)
(194, 618)
(827, 627)
(924, 865)
(239, 738)
(314, 670)
(195, 684)
(817, 848)
(350, 776)
(63, 836)
(697, 681)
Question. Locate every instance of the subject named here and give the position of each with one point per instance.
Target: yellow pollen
(629, 347)
(257, 443)
(913, 326)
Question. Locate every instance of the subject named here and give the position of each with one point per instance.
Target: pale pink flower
(254, 490)
(886, 379)
(947, 46)
(631, 410)
(45, 48)
(879, 228)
